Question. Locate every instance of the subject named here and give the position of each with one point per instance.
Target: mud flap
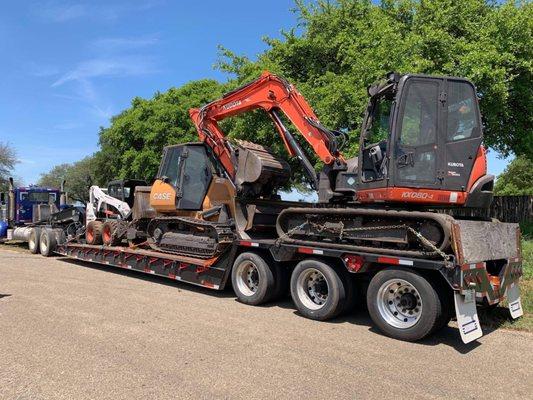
(467, 319)
(513, 298)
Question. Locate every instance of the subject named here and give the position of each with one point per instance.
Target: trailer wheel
(109, 233)
(403, 304)
(33, 240)
(253, 279)
(47, 243)
(447, 307)
(93, 233)
(317, 290)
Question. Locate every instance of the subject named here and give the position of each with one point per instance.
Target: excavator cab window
(189, 170)
(416, 156)
(376, 138)
(462, 121)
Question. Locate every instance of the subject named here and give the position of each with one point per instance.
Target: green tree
(517, 179)
(345, 45)
(8, 159)
(79, 176)
(132, 146)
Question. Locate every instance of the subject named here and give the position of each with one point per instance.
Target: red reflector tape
(394, 261)
(249, 244)
(308, 250)
(388, 260)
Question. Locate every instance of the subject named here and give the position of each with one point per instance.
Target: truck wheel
(33, 240)
(109, 233)
(252, 278)
(317, 290)
(47, 243)
(403, 304)
(93, 233)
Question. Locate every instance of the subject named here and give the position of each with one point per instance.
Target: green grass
(500, 317)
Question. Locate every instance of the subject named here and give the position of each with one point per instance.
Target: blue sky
(67, 67)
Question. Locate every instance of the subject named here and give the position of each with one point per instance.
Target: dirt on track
(70, 330)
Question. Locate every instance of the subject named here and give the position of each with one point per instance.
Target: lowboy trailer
(407, 298)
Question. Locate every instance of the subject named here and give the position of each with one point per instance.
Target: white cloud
(123, 66)
(121, 44)
(59, 12)
(67, 126)
(42, 71)
(62, 11)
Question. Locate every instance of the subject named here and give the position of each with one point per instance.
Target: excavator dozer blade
(478, 241)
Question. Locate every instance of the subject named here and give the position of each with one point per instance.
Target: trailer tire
(33, 240)
(317, 290)
(447, 307)
(403, 304)
(253, 280)
(93, 233)
(109, 233)
(282, 277)
(47, 243)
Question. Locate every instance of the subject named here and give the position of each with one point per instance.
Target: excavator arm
(270, 93)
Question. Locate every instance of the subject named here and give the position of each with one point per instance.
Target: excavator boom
(269, 93)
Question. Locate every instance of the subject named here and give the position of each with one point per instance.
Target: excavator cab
(421, 142)
(183, 179)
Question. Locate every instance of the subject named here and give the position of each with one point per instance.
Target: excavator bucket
(259, 171)
(478, 241)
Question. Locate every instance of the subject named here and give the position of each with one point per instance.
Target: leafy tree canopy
(131, 147)
(79, 176)
(346, 45)
(517, 179)
(8, 159)
(337, 49)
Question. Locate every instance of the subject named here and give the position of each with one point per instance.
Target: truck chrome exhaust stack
(11, 202)
(63, 194)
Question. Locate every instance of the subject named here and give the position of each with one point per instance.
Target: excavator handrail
(270, 93)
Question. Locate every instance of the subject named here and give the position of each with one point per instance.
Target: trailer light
(353, 262)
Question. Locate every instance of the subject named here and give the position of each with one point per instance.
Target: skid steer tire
(33, 240)
(109, 233)
(403, 304)
(317, 290)
(253, 280)
(47, 242)
(93, 233)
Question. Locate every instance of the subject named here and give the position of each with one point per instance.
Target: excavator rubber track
(403, 233)
(186, 236)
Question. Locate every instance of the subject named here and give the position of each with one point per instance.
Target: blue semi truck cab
(18, 205)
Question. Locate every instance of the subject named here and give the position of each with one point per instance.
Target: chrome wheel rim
(32, 243)
(247, 278)
(399, 303)
(312, 289)
(44, 244)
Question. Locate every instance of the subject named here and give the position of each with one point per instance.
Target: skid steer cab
(109, 210)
